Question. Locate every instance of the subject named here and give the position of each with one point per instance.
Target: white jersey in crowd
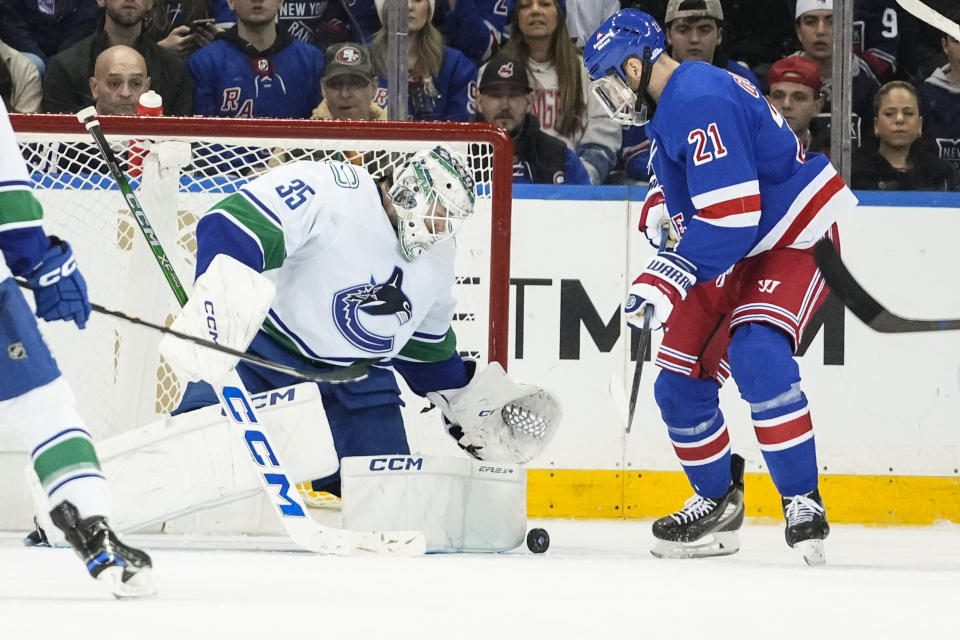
(344, 290)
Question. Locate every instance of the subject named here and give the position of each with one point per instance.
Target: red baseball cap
(795, 69)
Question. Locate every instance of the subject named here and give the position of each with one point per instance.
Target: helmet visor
(618, 100)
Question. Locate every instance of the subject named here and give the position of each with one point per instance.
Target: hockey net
(180, 167)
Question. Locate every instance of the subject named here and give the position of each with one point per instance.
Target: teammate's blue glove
(664, 281)
(58, 288)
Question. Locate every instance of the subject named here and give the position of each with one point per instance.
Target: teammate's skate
(704, 526)
(806, 526)
(125, 570)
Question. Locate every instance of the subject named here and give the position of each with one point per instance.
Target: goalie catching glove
(496, 419)
(227, 306)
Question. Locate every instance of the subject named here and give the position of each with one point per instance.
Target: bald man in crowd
(119, 77)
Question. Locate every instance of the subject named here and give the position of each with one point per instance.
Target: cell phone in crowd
(203, 24)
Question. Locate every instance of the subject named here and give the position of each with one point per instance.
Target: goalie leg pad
(192, 462)
(458, 503)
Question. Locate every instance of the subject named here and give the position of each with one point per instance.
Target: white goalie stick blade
(932, 17)
(862, 304)
(302, 529)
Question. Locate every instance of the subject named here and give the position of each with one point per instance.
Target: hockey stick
(642, 346)
(302, 529)
(861, 303)
(354, 371)
(932, 17)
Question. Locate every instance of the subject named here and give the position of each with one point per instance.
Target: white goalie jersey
(303, 225)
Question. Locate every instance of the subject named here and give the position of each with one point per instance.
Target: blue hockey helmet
(629, 33)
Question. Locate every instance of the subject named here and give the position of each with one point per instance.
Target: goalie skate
(704, 527)
(124, 570)
(806, 526)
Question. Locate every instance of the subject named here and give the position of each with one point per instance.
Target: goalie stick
(356, 371)
(642, 345)
(932, 17)
(302, 529)
(861, 303)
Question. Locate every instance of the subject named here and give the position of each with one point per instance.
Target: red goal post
(179, 167)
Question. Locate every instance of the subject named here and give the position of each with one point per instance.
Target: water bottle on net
(150, 104)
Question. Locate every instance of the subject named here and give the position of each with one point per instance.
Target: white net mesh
(118, 376)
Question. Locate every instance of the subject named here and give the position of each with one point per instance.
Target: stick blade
(861, 303)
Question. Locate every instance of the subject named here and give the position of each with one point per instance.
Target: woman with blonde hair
(440, 76)
(562, 98)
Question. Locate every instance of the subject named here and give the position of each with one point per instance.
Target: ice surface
(597, 581)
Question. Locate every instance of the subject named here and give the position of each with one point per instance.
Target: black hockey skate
(806, 526)
(704, 526)
(125, 570)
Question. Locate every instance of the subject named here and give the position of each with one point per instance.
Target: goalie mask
(433, 194)
(626, 34)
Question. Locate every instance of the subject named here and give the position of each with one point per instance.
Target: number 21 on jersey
(700, 138)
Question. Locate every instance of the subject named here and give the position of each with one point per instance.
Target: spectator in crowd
(66, 86)
(40, 30)
(940, 98)
(504, 99)
(814, 24)
(317, 22)
(919, 53)
(364, 18)
(876, 35)
(759, 33)
(119, 78)
(795, 92)
(20, 85)
(349, 85)
(899, 162)
(562, 100)
(181, 26)
(585, 16)
(477, 26)
(441, 77)
(694, 32)
(254, 69)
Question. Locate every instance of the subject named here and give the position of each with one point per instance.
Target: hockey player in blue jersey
(35, 399)
(743, 206)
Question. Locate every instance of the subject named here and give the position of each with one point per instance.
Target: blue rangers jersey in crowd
(940, 106)
(876, 35)
(232, 79)
(452, 100)
(477, 27)
(734, 172)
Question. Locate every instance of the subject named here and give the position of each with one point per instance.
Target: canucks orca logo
(371, 299)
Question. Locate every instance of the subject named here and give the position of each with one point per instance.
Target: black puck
(538, 540)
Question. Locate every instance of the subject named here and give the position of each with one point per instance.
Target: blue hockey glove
(58, 288)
